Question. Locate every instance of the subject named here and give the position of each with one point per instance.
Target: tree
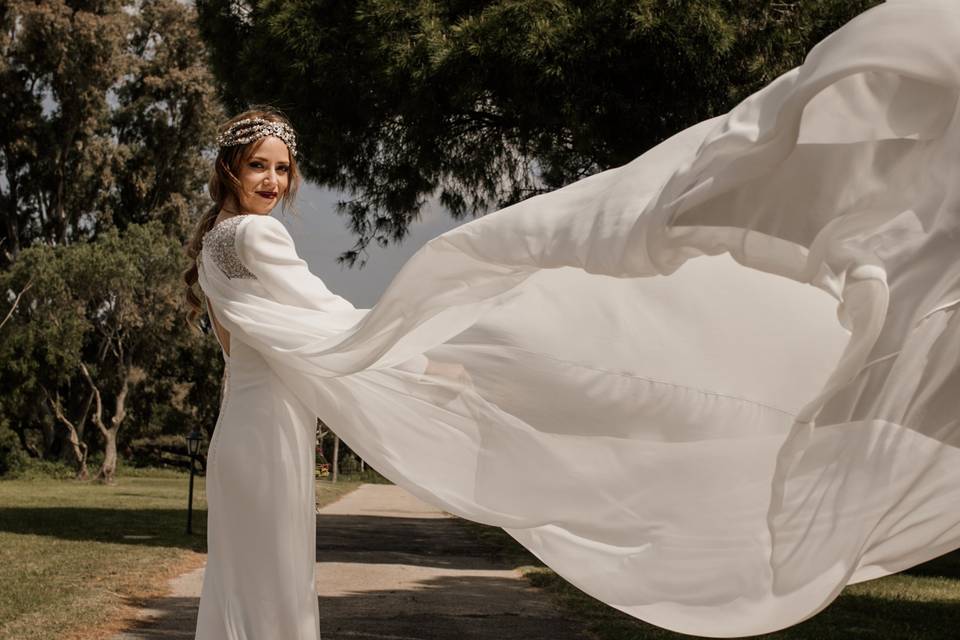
(131, 318)
(55, 165)
(40, 343)
(106, 106)
(165, 121)
(98, 320)
(484, 103)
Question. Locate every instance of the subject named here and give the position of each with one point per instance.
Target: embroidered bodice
(221, 241)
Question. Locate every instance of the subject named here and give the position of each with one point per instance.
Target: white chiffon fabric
(710, 387)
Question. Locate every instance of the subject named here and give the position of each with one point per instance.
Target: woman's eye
(258, 165)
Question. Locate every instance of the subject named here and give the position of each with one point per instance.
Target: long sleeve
(267, 250)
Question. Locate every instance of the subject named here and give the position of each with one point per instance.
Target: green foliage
(12, 458)
(115, 305)
(483, 103)
(368, 475)
(40, 469)
(132, 107)
(182, 390)
(41, 344)
(349, 463)
(108, 108)
(165, 451)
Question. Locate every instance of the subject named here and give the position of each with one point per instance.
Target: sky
(321, 234)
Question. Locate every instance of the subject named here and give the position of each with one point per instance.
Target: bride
(711, 387)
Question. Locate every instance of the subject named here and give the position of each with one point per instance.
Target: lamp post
(193, 446)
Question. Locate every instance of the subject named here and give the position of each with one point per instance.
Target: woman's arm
(418, 365)
(266, 248)
(452, 370)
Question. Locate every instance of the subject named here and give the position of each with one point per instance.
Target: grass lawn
(922, 603)
(77, 558)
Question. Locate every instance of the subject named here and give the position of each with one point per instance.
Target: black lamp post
(193, 446)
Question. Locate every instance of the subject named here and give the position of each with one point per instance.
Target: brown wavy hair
(224, 183)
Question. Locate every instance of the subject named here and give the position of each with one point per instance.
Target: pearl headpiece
(251, 129)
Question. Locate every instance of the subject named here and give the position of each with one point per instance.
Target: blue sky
(321, 235)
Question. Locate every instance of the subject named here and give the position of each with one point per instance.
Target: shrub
(13, 459)
(349, 464)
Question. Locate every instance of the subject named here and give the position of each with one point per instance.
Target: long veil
(710, 387)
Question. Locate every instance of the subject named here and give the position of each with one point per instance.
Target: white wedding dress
(711, 387)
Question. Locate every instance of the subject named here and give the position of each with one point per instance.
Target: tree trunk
(321, 435)
(77, 448)
(11, 248)
(59, 191)
(108, 469)
(49, 432)
(29, 448)
(80, 457)
(336, 458)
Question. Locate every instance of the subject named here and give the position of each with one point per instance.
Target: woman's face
(264, 176)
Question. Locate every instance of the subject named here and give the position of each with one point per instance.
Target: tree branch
(15, 303)
(98, 414)
(57, 407)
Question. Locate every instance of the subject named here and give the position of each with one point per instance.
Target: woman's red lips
(267, 194)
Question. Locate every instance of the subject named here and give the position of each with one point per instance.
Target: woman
(260, 481)
(631, 374)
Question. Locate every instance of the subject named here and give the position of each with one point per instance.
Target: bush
(349, 464)
(368, 475)
(38, 469)
(13, 459)
(168, 451)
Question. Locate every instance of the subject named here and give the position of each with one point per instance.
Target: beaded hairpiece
(251, 129)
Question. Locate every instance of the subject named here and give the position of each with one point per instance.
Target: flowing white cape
(710, 387)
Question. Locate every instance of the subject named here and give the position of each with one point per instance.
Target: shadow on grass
(346, 538)
(858, 616)
(142, 527)
(946, 566)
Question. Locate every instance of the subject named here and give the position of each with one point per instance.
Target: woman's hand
(452, 370)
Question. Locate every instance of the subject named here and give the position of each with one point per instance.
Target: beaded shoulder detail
(220, 241)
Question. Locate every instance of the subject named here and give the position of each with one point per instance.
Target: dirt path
(394, 568)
